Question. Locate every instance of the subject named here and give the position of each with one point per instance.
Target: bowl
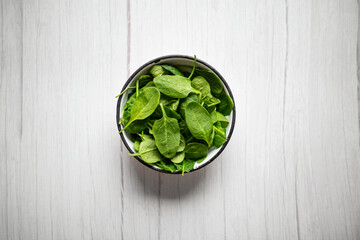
(174, 60)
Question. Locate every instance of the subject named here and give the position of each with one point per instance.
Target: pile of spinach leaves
(175, 114)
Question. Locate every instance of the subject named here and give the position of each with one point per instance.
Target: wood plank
(290, 171)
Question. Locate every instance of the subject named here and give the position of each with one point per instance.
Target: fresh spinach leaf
(166, 165)
(156, 70)
(183, 104)
(144, 80)
(138, 125)
(226, 105)
(169, 112)
(167, 135)
(187, 166)
(144, 105)
(199, 121)
(203, 86)
(173, 104)
(137, 146)
(218, 117)
(174, 86)
(179, 157)
(220, 135)
(195, 150)
(148, 151)
(172, 69)
(214, 81)
(181, 144)
(150, 84)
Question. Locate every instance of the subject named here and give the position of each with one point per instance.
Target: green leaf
(199, 122)
(144, 80)
(203, 86)
(226, 105)
(174, 86)
(218, 117)
(179, 157)
(195, 150)
(182, 144)
(214, 81)
(167, 135)
(187, 166)
(137, 126)
(137, 146)
(166, 165)
(220, 135)
(156, 70)
(144, 105)
(183, 104)
(169, 112)
(150, 84)
(173, 104)
(173, 70)
(148, 151)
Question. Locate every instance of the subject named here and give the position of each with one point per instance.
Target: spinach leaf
(166, 165)
(178, 166)
(173, 104)
(187, 166)
(185, 69)
(172, 69)
(144, 105)
(165, 100)
(174, 86)
(226, 105)
(156, 70)
(179, 157)
(182, 144)
(169, 101)
(218, 117)
(196, 150)
(137, 146)
(148, 151)
(167, 135)
(138, 125)
(203, 86)
(220, 135)
(191, 98)
(144, 80)
(210, 100)
(169, 112)
(214, 81)
(150, 84)
(199, 122)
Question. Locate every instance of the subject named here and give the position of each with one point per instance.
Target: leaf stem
(193, 70)
(218, 130)
(125, 126)
(163, 110)
(124, 91)
(138, 154)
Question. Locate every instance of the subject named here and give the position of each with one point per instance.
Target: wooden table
(290, 171)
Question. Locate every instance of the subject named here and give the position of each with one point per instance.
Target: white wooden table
(290, 171)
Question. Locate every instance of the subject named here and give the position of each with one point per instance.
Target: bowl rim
(158, 59)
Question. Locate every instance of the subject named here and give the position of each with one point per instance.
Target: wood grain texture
(290, 171)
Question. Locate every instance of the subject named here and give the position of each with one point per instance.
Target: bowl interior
(187, 61)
